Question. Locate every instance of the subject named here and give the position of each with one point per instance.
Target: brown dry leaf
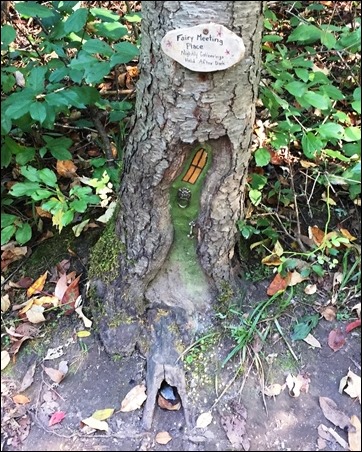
(47, 301)
(23, 283)
(134, 399)
(274, 389)
(298, 384)
(336, 339)
(204, 420)
(295, 278)
(21, 399)
(311, 340)
(66, 168)
(15, 346)
(354, 438)
(316, 234)
(272, 259)
(338, 418)
(328, 312)
(38, 285)
(279, 284)
(330, 435)
(11, 254)
(28, 378)
(357, 308)
(70, 296)
(54, 374)
(347, 234)
(306, 164)
(43, 213)
(96, 424)
(26, 308)
(351, 384)
(61, 286)
(5, 359)
(5, 302)
(310, 289)
(235, 426)
(35, 314)
(163, 438)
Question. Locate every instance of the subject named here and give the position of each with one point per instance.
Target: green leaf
(98, 46)
(36, 79)
(24, 188)
(258, 181)
(79, 205)
(95, 72)
(25, 156)
(305, 34)
(353, 148)
(333, 92)
(302, 73)
(30, 173)
(255, 196)
(58, 147)
(33, 9)
(352, 134)
(262, 157)
(5, 157)
(7, 219)
(8, 35)
(61, 154)
(38, 112)
(133, 17)
(328, 39)
(125, 52)
(23, 233)
(111, 30)
(311, 145)
(316, 100)
(318, 269)
(48, 177)
(331, 130)
(304, 326)
(20, 103)
(104, 14)
(336, 155)
(7, 233)
(272, 38)
(41, 194)
(76, 21)
(296, 88)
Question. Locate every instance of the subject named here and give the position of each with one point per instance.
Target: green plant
(45, 85)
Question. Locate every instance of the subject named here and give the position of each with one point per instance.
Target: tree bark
(178, 112)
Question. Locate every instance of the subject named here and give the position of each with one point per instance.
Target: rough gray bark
(177, 109)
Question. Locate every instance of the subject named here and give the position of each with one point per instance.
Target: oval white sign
(204, 48)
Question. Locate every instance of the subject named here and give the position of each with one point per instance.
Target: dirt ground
(242, 418)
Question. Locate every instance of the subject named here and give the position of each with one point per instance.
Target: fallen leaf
(204, 420)
(272, 259)
(279, 284)
(311, 340)
(43, 213)
(21, 399)
(329, 434)
(310, 289)
(336, 339)
(70, 296)
(354, 438)
(351, 384)
(338, 418)
(78, 228)
(66, 168)
(347, 234)
(235, 426)
(38, 285)
(15, 346)
(274, 390)
(54, 353)
(298, 384)
(357, 308)
(87, 323)
(5, 359)
(35, 314)
(295, 278)
(61, 286)
(96, 424)
(352, 325)
(56, 417)
(329, 312)
(102, 415)
(163, 438)
(134, 399)
(306, 164)
(24, 283)
(316, 234)
(54, 374)
(5, 302)
(28, 378)
(83, 333)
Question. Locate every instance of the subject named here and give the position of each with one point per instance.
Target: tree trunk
(176, 259)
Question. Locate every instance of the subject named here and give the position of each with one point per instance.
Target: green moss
(104, 257)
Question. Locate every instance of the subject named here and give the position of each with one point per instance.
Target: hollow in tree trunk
(182, 192)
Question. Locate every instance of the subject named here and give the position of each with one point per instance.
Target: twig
(299, 232)
(134, 27)
(95, 116)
